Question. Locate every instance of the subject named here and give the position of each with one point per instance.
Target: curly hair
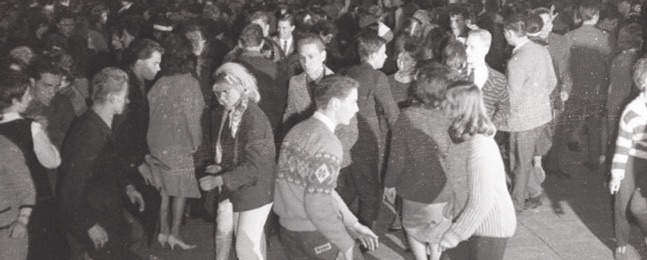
(178, 58)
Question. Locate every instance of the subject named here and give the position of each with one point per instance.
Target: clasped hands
(212, 181)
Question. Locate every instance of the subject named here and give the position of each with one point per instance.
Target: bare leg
(418, 248)
(164, 207)
(178, 213)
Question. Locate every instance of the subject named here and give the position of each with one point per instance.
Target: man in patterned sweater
(629, 163)
(315, 221)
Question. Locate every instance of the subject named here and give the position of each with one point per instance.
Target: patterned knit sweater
(489, 211)
(632, 136)
(305, 198)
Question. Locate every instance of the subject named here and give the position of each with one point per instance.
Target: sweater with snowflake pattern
(305, 198)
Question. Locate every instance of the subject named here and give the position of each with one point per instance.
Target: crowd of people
(121, 119)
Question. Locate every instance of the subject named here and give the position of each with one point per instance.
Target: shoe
(162, 239)
(533, 203)
(173, 241)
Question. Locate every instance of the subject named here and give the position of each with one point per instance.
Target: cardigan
(531, 80)
(419, 147)
(305, 198)
(489, 211)
(300, 106)
(17, 189)
(248, 158)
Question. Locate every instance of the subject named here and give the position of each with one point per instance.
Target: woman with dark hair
(401, 80)
(488, 219)
(174, 134)
(416, 169)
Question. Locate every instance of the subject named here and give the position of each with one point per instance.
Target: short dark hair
(516, 23)
(589, 9)
(252, 35)
(108, 81)
(311, 38)
(534, 23)
(630, 36)
(42, 65)
(459, 9)
(141, 50)
(13, 85)
(286, 18)
(333, 86)
(432, 80)
(368, 44)
(179, 58)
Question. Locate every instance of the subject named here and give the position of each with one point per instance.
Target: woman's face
(405, 61)
(228, 97)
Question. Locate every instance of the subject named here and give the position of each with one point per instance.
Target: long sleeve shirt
(489, 211)
(632, 136)
(304, 197)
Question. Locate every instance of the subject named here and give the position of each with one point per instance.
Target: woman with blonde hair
(488, 219)
(243, 163)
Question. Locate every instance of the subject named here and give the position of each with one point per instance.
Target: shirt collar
(11, 116)
(324, 119)
(520, 45)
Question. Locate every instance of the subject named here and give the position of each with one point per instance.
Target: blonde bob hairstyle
(467, 111)
(234, 74)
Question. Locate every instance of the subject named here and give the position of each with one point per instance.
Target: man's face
(151, 66)
(197, 41)
(120, 100)
(311, 59)
(66, 26)
(347, 108)
(285, 29)
(45, 88)
(380, 56)
(458, 24)
(475, 49)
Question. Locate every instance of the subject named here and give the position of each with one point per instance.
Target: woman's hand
(208, 183)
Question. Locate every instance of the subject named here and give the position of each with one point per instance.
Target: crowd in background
(120, 120)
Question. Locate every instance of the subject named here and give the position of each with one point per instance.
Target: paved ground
(574, 223)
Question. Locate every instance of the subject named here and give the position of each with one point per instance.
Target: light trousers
(247, 227)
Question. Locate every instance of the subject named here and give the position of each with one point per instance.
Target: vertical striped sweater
(632, 136)
(489, 211)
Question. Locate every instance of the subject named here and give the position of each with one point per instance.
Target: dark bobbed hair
(432, 80)
(333, 86)
(178, 58)
(467, 111)
(13, 85)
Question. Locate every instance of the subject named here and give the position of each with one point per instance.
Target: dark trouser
(460, 252)
(630, 199)
(487, 248)
(583, 114)
(46, 235)
(307, 245)
(132, 245)
(360, 181)
(524, 146)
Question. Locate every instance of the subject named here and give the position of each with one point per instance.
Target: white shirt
(285, 44)
(324, 119)
(46, 152)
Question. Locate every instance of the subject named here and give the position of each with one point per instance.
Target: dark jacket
(130, 128)
(91, 185)
(248, 160)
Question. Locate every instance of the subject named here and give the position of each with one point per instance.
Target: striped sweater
(632, 136)
(489, 211)
(496, 98)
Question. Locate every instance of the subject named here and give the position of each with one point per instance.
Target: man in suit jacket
(531, 79)
(363, 178)
(285, 38)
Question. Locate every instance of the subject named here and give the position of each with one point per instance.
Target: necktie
(285, 46)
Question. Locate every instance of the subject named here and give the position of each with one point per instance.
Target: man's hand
(345, 255)
(147, 173)
(213, 169)
(389, 195)
(98, 236)
(18, 228)
(208, 183)
(614, 185)
(135, 197)
(366, 236)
